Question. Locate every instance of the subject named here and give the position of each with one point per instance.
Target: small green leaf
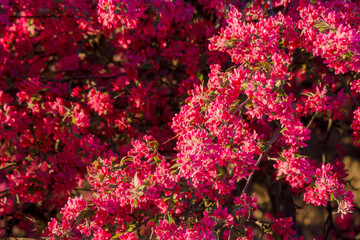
(131, 228)
(85, 214)
(332, 198)
(323, 26)
(249, 4)
(156, 159)
(124, 159)
(136, 181)
(302, 31)
(155, 143)
(201, 77)
(174, 171)
(116, 236)
(156, 20)
(176, 165)
(136, 202)
(283, 129)
(231, 168)
(171, 219)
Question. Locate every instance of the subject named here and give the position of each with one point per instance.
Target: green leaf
(171, 219)
(174, 171)
(116, 236)
(124, 159)
(136, 181)
(131, 228)
(222, 171)
(283, 129)
(117, 11)
(156, 20)
(249, 3)
(201, 77)
(231, 168)
(156, 159)
(176, 165)
(332, 198)
(323, 26)
(85, 214)
(136, 202)
(154, 143)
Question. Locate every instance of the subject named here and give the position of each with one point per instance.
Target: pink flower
(73, 208)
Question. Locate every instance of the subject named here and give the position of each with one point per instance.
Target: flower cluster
(154, 118)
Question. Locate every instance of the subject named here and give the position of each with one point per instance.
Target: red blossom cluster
(151, 119)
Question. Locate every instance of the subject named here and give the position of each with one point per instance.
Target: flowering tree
(151, 119)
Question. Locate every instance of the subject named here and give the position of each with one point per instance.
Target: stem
(230, 232)
(75, 77)
(259, 161)
(7, 166)
(177, 135)
(241, 105)
(271, 8)
(348, 91)
(170, 201)
(312, 119)
(37, 143)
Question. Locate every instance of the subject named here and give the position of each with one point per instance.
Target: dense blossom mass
(151, 119)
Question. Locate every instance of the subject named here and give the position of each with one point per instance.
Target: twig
(259, 161)
(328, 130)
(241, 105)
(171, 139)
(190, 207)
(7, 166)
(170, 201)
(68, 78)
(151, 235)
(33, 16)
(348, 90)
(232, 226)
(312, 119)
(271, 8)
(329, 221)
(37, 143)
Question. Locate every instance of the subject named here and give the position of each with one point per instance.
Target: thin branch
(259, 160)
(232, 226)
(177, 135)
(7, 166)
(271, 8)
(69, 78)
(348, 90)
(312, 119)
(170, 201)
(37, 143)
(241, 105)
(328, 130)
(33, 16)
